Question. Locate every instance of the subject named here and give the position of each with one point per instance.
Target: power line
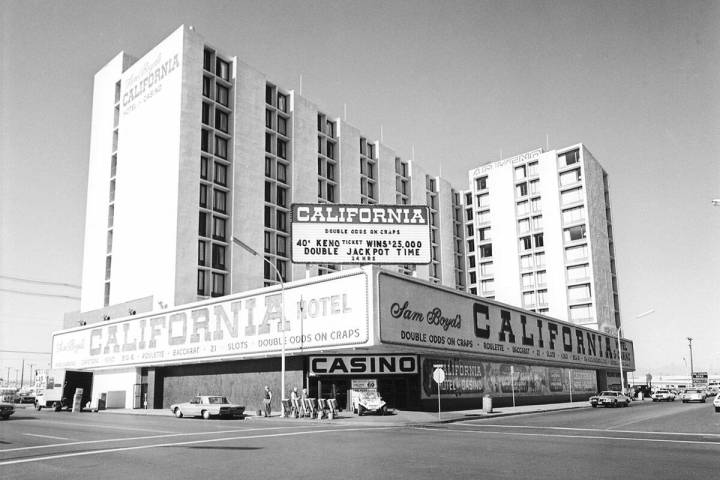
(41, 282)
(22, 292)
(24, 351)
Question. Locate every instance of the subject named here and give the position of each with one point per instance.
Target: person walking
(267, 398)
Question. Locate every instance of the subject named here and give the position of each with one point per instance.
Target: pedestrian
(267, 398)
(295, 409)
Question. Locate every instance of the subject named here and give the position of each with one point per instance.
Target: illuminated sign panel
(360, 234)
(325, 314)
(363, 365)
(413, 313)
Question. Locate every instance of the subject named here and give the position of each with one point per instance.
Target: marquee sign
(416, 314)
(363, 365)
(326, 314)
(360, 234)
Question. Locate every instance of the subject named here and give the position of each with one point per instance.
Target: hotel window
(487, 286)
(219, 228)
(203, 229)
(282, 221)
(113, 165)
(221, 147)
(269, 118)
(203, 195)
(481, 183)
(568, 158)
(268, 242)
(579, 292)
(268, 216)
(108, 265)
(268, 142)
(528, 280)
(578, 272)
(281, 196)
(330, 173)
(484, 216)
(202, 252)
(281, 245)
(484, 233)
(219, 201)
(570, 177)
(469, 230)
(574, 233)
(221, 120)
(534, 186)
(525, 243)
(218, 284)
(223, 69)
(205, 141)
(331, 150)
(282, 102)
(576, 253)
(521, 189)
(483, 200)
(111, 215)
(485, 250)
(520, 172)
(282, 125)
(532, 169)
(473, 278)
(220, 174)
(222, 95)
(580, 313)
(204, 168)
(528, 299)
(268, 191)
(282, 172)
(207, 87)
(526, 262)
(539, 240)
(487, 268)
(269, 167)
(541, 277)
(572, 215)
(282, 149)
(524, 225)
(269, 94)
(471, 261)
(207, 60)
(542, 297)
(537, 222)
(523, 208)
(540, 259)
(469, 214)
(536, 204)
(206, 113)
(471, 245)
(218, 257)
(201, 282)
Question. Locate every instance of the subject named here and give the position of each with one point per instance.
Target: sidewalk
(396, 418)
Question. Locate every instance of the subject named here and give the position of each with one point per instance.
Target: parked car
(716, 403)
(207, 406)
(6, 409)
(693, 395)
(25, 396)
(369, 402)
(662, 395)
(610, 398)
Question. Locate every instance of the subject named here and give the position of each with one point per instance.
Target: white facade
(539, 236)
(191, 147)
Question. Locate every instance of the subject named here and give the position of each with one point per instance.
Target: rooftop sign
(360, 234)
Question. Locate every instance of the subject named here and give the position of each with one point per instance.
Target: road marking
(45, 436)
(148, 437)
(587, 437)
(573, 429)
(179, 444)
(112, 427)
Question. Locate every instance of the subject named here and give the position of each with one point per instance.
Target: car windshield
(692, 391)
(609, 394)
(217, 400)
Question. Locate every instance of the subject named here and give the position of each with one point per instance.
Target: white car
(716, 403)
(662, 395)
(693, 395)
(207, 406)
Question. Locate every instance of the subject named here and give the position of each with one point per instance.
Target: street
(649, 440)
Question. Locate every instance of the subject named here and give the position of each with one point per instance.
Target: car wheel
(361, 411)
(594, 406)
(178, 413)
(717, 409)
(5, 417)
(38, 407)
(57, 407)
(206, 414)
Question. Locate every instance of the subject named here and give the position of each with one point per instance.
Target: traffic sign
(439, 375)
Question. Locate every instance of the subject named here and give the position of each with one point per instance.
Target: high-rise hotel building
(191, 147)
(539, 236)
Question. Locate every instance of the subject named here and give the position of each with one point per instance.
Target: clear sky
(462, 82)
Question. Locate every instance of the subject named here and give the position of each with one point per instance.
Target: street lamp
(282, 315)
(619, 329)
(691, 359)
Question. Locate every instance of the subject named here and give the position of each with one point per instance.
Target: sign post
(439, 377)
(512, 382)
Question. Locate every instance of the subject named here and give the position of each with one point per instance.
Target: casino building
(195, 162)
(362, 324)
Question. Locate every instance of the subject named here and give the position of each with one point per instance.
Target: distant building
(539, 236)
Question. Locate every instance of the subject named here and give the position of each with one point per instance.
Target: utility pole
(22, 374)
(691, 359)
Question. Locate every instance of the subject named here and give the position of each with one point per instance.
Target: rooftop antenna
(345, 112)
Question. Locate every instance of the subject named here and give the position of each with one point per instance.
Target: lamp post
(619, 329)
(282, 316)
(691, 360)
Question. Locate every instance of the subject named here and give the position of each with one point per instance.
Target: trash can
(487, 404)
(77, 400)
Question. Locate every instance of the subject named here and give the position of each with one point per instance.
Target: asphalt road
(648, 440)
